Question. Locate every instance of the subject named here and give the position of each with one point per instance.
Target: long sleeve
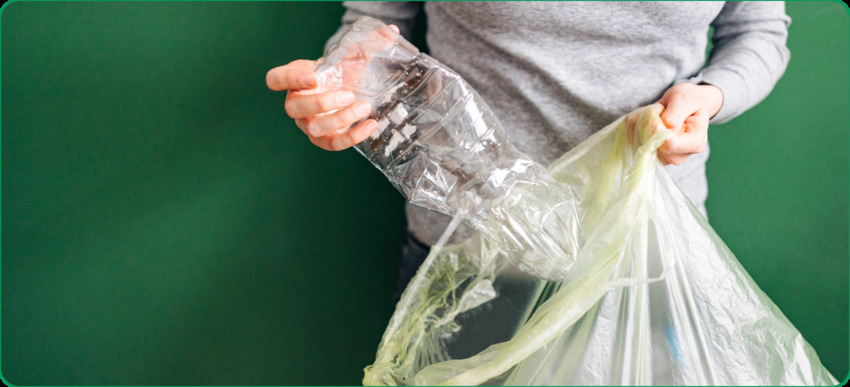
(749, 54)
(400, 13)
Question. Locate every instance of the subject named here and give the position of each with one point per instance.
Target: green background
(164, 222)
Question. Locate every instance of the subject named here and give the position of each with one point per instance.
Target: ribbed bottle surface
(440, 144)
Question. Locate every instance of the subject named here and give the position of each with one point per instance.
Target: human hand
(326, 116)
(687, 109)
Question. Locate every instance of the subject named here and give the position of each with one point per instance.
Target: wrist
(714, 98)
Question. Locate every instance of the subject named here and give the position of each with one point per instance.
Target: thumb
(676, 110)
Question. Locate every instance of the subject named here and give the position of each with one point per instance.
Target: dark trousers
(413, 253)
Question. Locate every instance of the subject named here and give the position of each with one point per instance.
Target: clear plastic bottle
(443, 148)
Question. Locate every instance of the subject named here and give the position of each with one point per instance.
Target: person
(554, 72)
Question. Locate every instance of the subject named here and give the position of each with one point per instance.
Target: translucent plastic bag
(654, 298)
(596, 271)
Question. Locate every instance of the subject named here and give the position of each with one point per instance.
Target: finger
(691, 140)
(630, 121)
(677, 108)
(322, 125)
(297, 75)
(305, 105)
(683, 144)
(376, 41)
(672, 159)
(346, 139)
(395, 28)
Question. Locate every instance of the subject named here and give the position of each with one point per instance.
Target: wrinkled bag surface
(654, 297)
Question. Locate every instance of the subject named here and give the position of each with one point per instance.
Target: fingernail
(308, 80)
(371, 126)
(344, 98)
(363, 108)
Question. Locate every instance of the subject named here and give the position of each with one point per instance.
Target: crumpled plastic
(653, 298)
(443, 148)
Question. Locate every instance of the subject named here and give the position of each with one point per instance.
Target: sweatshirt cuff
(733, 97)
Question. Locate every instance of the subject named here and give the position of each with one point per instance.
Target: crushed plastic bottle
(440, 144)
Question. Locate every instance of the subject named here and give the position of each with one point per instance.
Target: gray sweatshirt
(556, 72)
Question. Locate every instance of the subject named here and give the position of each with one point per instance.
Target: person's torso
(555, 72)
